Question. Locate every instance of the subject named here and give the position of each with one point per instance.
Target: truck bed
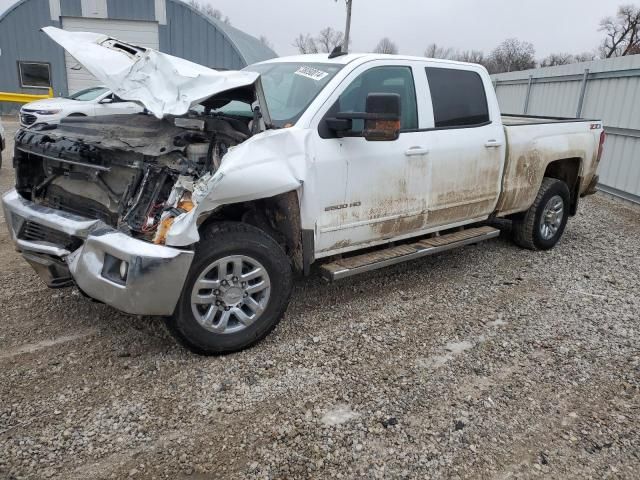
(513, 120)
(535, 142)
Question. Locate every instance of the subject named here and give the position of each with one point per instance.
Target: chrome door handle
(493, 144)
(416, 151)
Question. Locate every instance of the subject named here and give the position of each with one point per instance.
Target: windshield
(88, 94)
(291, 87)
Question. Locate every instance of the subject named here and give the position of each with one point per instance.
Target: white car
(91, 102)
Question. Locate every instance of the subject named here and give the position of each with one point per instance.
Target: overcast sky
(551, 25)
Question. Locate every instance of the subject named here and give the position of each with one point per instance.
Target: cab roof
(351, 57)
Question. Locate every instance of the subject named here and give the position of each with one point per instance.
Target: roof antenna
(337, 52)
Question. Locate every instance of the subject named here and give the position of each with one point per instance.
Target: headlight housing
(47, 112)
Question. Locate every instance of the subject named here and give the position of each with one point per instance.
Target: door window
(458, 97)
(381, 80)
(88, 94)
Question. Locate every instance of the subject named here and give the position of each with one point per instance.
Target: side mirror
(339, 125)
(384, 114)
(106, 101)
(381, 119)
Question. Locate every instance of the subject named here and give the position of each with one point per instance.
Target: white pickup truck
(203, 212)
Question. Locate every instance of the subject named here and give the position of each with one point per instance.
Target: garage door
(144, 34)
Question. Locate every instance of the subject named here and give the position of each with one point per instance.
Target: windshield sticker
(312, 73)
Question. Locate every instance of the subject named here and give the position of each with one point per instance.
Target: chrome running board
(348, 267)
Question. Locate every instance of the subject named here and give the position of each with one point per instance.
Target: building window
(34, 74)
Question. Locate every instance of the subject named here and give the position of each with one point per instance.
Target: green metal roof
(248, 47)
(252, 49)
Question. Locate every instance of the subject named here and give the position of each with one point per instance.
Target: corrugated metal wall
(71, 8)
(608, 90)
(131, 9)
(183, 32)
(29, 16)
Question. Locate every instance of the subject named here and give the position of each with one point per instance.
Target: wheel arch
(567, 170)
(278, 216)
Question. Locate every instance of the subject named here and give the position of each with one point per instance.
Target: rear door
(466, 145)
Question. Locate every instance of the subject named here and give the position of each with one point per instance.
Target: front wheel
(543, 224)
(236, 292)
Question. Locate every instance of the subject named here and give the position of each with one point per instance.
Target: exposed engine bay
(133, 172)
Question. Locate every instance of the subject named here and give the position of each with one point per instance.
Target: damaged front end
(133, 173)
(95, 199)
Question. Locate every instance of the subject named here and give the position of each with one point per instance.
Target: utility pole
(347, 30)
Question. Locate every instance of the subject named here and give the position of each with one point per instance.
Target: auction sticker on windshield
(312, 73)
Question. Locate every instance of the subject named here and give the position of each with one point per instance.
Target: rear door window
(458, 98)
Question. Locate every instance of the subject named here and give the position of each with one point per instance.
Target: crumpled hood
(163, 84)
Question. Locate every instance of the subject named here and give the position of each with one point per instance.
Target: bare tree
(585, 57)
(512, 55)
(208, 10)
(265, 41)
(329, 39)
(386, 46)
(448, 53)
(556, 59)
(566, 58)
(306, 44)
(623, 33)
(470, 56)
(434, 51)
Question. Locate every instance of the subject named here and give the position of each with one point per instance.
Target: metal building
(608, 90)
(31, 63)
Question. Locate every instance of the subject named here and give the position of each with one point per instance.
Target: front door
(386, 180)
(112, 105)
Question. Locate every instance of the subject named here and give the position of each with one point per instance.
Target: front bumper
(67, 249)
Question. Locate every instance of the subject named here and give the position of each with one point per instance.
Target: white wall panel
(95, 8)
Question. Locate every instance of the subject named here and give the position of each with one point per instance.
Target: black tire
(527, 230)
(222, 240)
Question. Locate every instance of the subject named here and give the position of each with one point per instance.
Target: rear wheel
(236, 292)
(543, 224)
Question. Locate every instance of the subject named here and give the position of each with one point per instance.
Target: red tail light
(603, 138)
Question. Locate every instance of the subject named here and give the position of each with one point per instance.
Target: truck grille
(27, 119)
(87, 211)
(34, 232)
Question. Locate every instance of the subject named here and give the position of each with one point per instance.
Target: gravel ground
(489, 362)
